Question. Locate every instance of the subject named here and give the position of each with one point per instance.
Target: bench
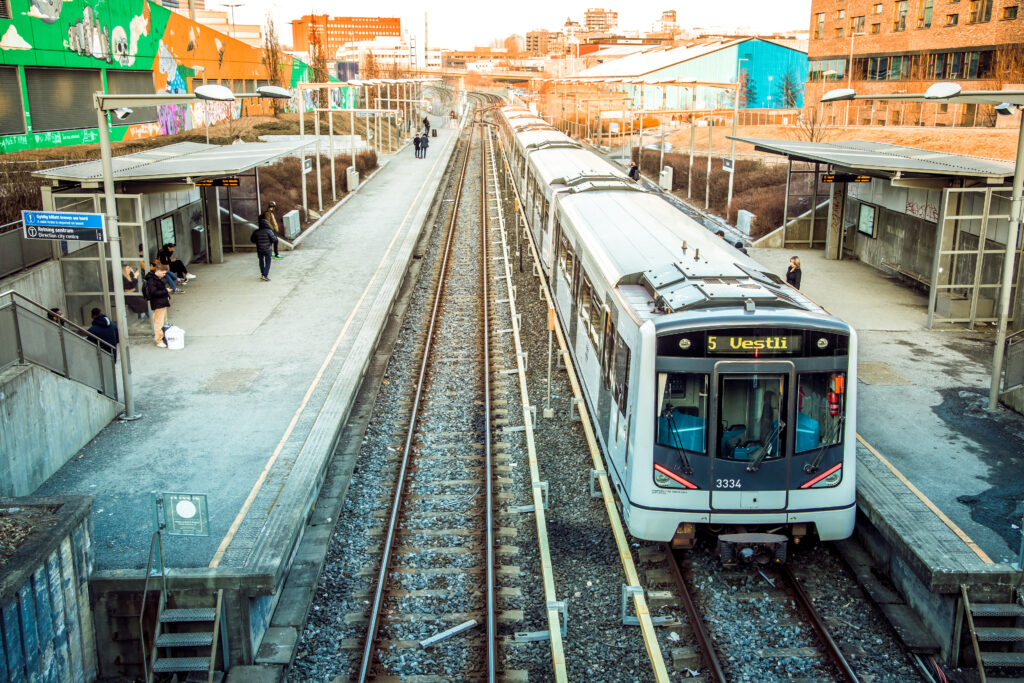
(920, 278)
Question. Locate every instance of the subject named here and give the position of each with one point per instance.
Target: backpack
(145, 289)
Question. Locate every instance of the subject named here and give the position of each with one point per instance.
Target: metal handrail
(67, 331)
(1013, 366)
(156, 541)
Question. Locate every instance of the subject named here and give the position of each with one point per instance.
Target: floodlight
(839, 95)
(274, 92)
(941, 91)
(1005, 109)
(217, 93)
(122, 113)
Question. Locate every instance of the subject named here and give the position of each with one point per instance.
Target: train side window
(682, 410)
(595, 324)
(590, 311)
(821, 410)
(608, 355)
(566, 260)
(620, 372)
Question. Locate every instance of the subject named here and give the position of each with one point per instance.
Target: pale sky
(461, 25)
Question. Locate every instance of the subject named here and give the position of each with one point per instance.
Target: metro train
(724, 398)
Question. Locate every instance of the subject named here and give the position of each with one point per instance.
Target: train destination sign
(63, 225)
(753, 345)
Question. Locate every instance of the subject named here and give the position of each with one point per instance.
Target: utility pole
(232, 6)
(732, 147)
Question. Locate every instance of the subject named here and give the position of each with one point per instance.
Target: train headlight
(685, 343)
(830, 477)
(822, 343)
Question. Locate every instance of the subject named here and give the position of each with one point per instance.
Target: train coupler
(734, 549)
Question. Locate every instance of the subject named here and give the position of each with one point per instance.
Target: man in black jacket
(105, 330)
(154, 290)
(265, 240)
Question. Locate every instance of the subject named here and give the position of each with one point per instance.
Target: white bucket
(175, 337)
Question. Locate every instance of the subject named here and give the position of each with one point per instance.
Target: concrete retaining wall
(43, 284)
(44, 420)
(44, 598)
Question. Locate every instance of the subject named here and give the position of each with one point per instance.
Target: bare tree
(810, 126)
(318, 65)
(748, 89)
(790, 90)
(272, 58)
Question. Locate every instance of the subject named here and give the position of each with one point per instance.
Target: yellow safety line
(640, 603)
(929, 504)
(547, 572)
(219, 555)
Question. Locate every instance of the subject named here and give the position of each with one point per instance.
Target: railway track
(784, 592)
(437, 563)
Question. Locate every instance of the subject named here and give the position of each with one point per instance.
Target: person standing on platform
(272, 219)
(105, 331)
(451, 117)
(265, 240)
(426, 124)
(416, 144)
(424, 143)
(155, 292)
(794, 273)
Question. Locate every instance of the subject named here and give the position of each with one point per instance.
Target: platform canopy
(884, 159)
(188, 161)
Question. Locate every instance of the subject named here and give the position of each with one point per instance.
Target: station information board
(63, 225)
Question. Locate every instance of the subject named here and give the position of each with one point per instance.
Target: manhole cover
(230, 381)
(880, 373)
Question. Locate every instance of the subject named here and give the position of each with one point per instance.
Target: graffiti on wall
(135, 35)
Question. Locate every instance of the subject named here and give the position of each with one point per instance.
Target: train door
(752, 404)
(589, 320)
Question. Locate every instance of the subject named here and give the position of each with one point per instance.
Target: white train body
(721, 396)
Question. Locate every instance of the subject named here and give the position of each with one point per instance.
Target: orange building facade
(337, 31)
(906, 45)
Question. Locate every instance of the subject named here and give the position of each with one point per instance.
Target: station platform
(249, 411)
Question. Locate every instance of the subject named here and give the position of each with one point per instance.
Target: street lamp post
(123, 103)
(849, 74)
(732, 146)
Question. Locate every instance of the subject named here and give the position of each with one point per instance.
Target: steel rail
(707, 651)
(643, 614)
(385, 564)
(539, 514)
(820, 628)
(492, 634)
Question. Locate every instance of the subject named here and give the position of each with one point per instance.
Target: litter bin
(175, 337)
(433, 132)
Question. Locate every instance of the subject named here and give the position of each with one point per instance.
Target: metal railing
(1013, 377)
(148, 651)
(18, 253)
(28, 335)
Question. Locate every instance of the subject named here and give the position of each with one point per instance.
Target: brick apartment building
(905, 46)
(596, 19)
(541, 42)
(337, 31)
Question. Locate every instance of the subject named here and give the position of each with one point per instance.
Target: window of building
(12, 111)
(839, 32)
(5, 10)
(840, 14)
(857, 25)
(878, 8)
(876, 28)
(819, 28)
(952, 19)
(1009, 12)
(924, 19)
(61, 99)
(899, 16)
(980, 11)
(125, 82)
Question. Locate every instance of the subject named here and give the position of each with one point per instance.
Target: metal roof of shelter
(883, 158)
(191, 160)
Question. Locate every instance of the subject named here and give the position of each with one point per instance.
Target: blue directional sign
(61, 225)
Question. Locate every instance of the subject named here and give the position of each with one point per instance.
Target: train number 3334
(728, 484)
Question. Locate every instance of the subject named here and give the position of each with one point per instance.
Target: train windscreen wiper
(812, 467)
(766, 448)
(677, 444)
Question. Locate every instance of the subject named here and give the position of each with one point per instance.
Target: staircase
(184, 640)
(996, 637)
